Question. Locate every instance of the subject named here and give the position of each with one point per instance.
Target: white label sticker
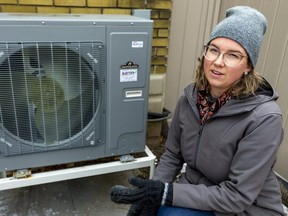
(128, 75)
(137, 44)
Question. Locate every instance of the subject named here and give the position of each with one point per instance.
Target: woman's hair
(245, 86)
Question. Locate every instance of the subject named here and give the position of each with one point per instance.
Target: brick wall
(160, 13)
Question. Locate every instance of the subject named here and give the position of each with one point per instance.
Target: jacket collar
(264, 94)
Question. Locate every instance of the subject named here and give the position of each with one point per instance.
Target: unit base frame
(79, 172)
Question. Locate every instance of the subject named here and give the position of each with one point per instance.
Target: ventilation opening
(50, 92)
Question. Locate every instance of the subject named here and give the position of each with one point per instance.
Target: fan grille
(52, 96)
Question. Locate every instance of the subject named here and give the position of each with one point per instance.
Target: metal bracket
(23, 173)
(126, 158)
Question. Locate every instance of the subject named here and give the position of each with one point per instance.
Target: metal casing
(109, 58)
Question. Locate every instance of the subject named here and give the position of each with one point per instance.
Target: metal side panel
(129, 53)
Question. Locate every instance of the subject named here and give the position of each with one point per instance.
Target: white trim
(280, 176)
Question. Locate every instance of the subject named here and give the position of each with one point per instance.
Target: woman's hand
(145, 197)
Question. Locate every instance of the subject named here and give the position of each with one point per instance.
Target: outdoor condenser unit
(72, 87)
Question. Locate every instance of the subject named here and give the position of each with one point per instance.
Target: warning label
(128, 75)
(129, 72)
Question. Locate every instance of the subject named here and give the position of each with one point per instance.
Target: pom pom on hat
(244, 25)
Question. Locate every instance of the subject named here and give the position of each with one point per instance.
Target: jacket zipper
(198, 144)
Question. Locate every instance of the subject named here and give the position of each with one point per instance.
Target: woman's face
(221, 76)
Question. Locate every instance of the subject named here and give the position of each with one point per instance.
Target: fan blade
(66, 118)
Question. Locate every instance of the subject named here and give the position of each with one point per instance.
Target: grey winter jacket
(229, 160)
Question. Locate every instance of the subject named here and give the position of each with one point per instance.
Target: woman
(226, 128)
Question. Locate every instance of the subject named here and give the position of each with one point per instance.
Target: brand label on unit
(129, 72)
(137, 44)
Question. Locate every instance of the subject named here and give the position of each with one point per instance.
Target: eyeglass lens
(230, 58)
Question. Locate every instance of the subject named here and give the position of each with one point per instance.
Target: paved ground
(77, 197)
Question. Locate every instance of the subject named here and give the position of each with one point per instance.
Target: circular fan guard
(47, 95)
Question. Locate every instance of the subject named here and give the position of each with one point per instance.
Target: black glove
(145, 198)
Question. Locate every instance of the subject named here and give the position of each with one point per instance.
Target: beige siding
(191, 23)
(190, 27)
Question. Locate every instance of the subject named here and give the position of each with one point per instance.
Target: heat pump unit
(72, 87)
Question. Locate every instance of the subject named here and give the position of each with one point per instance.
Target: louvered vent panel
(52, 96)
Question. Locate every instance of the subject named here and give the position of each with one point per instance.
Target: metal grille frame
(52, 96)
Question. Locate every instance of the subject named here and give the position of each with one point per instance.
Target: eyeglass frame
(223, 54)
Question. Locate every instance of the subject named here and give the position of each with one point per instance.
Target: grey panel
(129, 84)
(73, 87)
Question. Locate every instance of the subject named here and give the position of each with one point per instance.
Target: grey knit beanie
(244, 25)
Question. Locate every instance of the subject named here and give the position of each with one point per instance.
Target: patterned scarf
(208, 106)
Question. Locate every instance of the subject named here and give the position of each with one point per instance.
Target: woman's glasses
(229, 58)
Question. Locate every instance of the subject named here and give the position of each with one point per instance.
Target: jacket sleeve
(250, 169)
(171, 161)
